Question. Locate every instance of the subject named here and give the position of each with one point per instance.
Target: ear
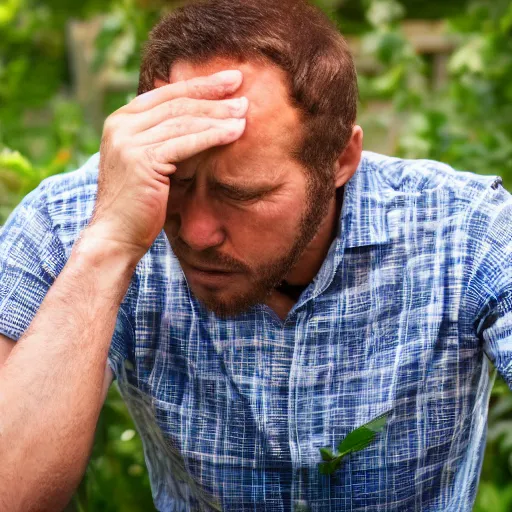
(348, 161)
(158, 83)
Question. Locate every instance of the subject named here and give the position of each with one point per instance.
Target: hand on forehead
(272, 125)
(264, 85)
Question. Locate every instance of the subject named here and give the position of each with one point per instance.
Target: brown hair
(292, 34)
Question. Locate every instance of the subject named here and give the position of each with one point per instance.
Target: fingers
(181, 148)
(212, 87)
(181, 107)
(173, 128)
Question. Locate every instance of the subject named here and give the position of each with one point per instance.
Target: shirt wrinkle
(407, 312)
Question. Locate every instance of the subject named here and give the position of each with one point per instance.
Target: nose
(198, 224)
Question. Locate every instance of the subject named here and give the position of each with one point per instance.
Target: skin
(239, 207)
(63, 354)
(142, 145)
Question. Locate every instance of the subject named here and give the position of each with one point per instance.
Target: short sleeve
(31, 257)
(493, 281)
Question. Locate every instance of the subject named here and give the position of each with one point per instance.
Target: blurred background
(435, 82)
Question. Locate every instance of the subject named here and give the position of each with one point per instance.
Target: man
(259, 286)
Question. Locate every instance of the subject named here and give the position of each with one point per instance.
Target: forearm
(51, 385)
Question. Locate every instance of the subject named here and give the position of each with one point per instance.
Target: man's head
(254, 206)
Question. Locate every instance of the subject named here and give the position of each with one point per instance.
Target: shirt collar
(363, 216)
(363, 221)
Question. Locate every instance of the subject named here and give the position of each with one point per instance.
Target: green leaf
(14, 161)
(327, 454)
(328, 468)
(356, 440)
(362, 436)
(378, 423)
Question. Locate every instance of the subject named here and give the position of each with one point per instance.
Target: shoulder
(69, 198)
(46, 223)
(72, 186)
(478, 202)
(426, 176)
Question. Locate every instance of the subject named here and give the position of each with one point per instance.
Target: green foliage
(465, 121)
(495, 491)
(37, 118)
(355, 441)
(116, 479)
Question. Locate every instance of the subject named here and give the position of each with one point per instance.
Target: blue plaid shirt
(412, 301)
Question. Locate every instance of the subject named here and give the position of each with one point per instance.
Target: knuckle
(205, 86)
(116, 144)
(183, 123)
(109, 124)
(177, 153)
(205, 123)
(226, 109)
(111, 143)
(214, 85)
(176, 128)
(194, 87)
(125, 155)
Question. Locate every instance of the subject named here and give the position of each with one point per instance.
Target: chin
(224, 309)
(227, 305)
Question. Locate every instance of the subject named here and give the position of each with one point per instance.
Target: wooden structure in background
(90, 89)
(426, 37)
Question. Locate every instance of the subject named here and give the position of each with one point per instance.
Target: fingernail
(238, 105)
(230, 76)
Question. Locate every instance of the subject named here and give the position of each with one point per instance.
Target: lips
(209, 270)
(208, 277)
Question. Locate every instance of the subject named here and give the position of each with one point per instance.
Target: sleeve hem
(10, 333)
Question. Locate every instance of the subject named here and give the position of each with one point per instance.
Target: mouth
(210, 270)
(210, 277)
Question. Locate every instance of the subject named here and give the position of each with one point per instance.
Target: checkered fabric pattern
(413, 301)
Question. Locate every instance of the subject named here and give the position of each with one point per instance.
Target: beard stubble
(268, 276)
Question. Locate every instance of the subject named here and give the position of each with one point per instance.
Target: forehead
(273, 126)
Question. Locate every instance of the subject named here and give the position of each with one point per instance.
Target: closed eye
(181, 181)
(239, 194)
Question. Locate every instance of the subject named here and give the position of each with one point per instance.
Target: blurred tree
(468, 122)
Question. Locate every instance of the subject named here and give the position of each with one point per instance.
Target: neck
(315, 253)
(311, 260)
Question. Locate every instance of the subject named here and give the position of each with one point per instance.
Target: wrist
(109, 263)
(97, 243)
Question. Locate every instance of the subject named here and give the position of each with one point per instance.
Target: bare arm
(6, 346)
(52, 385)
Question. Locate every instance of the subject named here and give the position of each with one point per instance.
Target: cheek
(263, 231)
